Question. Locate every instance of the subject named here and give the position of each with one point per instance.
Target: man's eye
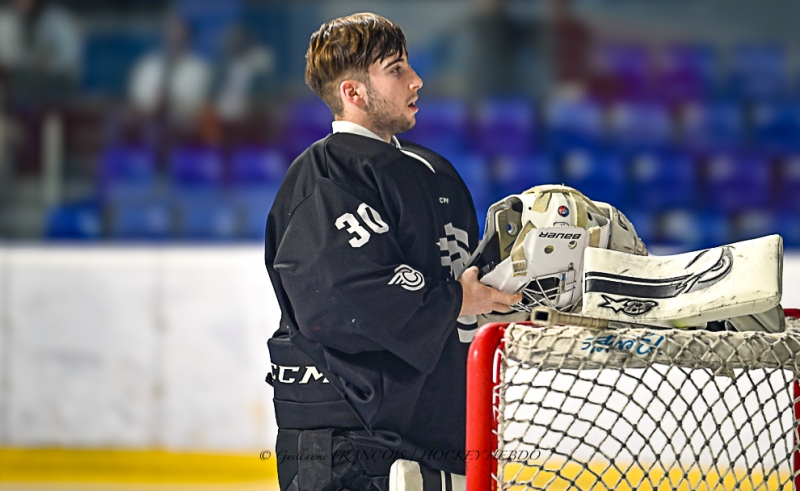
(396, 69)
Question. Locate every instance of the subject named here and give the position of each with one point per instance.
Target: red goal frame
(483, 378)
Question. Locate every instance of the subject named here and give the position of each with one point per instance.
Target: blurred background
(142, 143)
(154, 120)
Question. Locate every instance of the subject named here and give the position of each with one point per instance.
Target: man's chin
(409, 124)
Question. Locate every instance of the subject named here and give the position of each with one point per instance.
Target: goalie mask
(534, 243)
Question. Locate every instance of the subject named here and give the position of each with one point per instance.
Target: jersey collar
(351, 127)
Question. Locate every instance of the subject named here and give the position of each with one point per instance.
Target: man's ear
(353, 92)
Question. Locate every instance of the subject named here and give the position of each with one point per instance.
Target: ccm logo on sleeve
(407, 277)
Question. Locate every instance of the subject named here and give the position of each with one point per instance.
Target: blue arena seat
(645, 222)
(789, 183)
(442, 125)
(257, 174)
(630, 66)
(738, 181)
(663, 180)
(475, 171)
(690, 230)
(127, 173)
(788, 226)
(515, 174)
(207, 220)
(776, 126)
(504, 126)
(758, 223)
(196, 166)
(196, 173)
(758, 71)
(258, 165)
(253, 215)
(600, 175)
(573, 123)
(306, 121)
(141, 220)
(640, 125)
(688, 72)
(74, 221)
(202, 210)
(712, 126)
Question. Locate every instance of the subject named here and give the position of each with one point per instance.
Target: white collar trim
(351, 127)
(355, 128)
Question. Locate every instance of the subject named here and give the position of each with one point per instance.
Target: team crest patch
(563, 211)
(629, 306)
(407, 277)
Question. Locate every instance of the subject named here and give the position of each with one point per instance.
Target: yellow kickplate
(602, 476)
(17, 464)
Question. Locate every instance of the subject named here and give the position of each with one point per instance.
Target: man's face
(392, 95)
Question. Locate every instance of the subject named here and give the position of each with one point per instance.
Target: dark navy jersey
(363, 245)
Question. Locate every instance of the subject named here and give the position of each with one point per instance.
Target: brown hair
(346, 47)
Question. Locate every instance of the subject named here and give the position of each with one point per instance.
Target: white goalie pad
(406, 475)
(683, 290)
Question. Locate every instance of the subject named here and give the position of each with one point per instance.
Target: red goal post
(485, 390)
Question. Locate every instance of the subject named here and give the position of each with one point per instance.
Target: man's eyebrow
(396, 60)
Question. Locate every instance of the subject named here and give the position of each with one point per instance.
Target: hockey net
(573, 408)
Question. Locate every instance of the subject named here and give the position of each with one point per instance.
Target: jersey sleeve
(351, 288)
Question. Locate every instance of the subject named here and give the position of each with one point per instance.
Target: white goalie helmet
(534, 242)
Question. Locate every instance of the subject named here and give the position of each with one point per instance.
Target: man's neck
(366, 124)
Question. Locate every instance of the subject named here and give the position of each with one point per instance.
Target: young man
(365, 247)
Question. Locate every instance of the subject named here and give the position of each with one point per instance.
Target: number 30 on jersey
(371, 219)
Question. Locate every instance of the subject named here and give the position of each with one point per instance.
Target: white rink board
(791, 280)
(141, 347)
(82, 345)
(3, 342)
(216, 324)
(137, 347)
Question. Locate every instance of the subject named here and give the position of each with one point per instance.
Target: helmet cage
(556, 291)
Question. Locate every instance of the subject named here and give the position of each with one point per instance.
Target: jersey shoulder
(424, 152)
(356, 161)
(302, 175)
(352, 162)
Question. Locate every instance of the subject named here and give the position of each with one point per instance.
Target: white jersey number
(371, 218)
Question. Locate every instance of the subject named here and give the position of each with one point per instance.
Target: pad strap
(519, 264)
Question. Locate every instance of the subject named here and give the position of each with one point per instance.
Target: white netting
(616, 409)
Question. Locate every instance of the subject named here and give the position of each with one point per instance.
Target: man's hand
(482, 299)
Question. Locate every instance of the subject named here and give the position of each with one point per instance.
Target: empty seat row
(678, 228)
(158, 220)
(724, 181)
(130, 173)
(748, 71)
(516, 126)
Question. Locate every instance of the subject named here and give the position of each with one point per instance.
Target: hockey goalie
(563, 251)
